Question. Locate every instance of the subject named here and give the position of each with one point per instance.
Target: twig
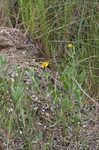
(93, 100)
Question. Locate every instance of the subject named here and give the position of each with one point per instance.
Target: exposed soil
(16, 46)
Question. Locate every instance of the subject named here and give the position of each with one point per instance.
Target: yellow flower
(69, 45)
(44, 64)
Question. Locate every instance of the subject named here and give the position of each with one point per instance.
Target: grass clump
(37, 103)
(59, 23)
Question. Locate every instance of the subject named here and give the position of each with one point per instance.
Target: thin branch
(93, 100)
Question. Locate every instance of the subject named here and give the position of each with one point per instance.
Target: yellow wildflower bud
(44, 64)
(69, 45)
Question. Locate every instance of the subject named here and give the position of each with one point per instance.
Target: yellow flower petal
(69, 45)
(44, 64)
